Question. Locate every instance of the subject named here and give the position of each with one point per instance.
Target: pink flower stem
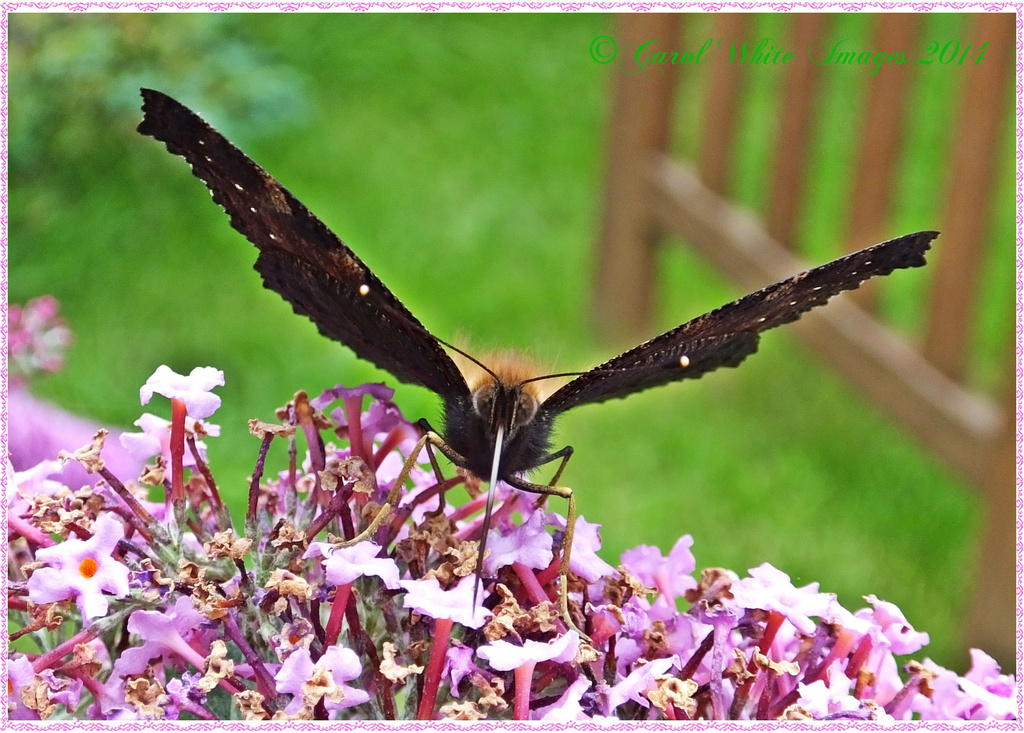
(549, 573)
(432, 681)
(533, 587)
(52, 657)
(333, 629)
(251, 526)
(17, 525)
(334, 509)
(771, 628)
(765, 701)
(391, 441)
(178, 410)
(690, 668)
(304, 418)
(93, 685)
(359, 636)
(264, 680)
(204, 469)
(291, 498)
(900, 703)
(523, 676)
(197, 710)
(402, 516)
(128, 498)
(839, 651)
(475, 530)
(470, 507)
(858, 658)
(354, 416)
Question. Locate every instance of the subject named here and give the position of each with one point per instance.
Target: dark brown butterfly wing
(300, 258)
(727, 335)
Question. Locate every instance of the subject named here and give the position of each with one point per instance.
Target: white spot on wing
(364, 289)
(684, 361)
(236, 185)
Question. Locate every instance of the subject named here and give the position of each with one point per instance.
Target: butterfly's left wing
(303, 260)
(726, 336)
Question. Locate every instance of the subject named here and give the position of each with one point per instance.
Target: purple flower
(731, 654)
(771, 590)
(427, 597)
(155, 439)
(636, 683)
(586, 542)
(894, 625)
(458, 663)
(567, 707)
(345, 564)
(83, 570)
(959, 698)
(162, 632)
(985, 672)
(178, 691)
(193, 390)
(40, 430)
(528, 543)
(823, 700)
(31, 482)
(670, 575)
(377, 390)
(36, 336)
(61, 690)
(635, 621)
(19, 675)
(310, 682)
(382, 416)
(502, 655)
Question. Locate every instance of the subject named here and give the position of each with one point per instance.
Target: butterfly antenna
(595, 370)
(480, 364)
(478, 575)
(551, 376)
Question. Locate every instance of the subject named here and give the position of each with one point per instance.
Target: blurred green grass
(461, 156)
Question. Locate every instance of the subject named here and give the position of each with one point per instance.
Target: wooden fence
(921, 384)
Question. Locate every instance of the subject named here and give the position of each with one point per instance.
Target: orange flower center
(88, 567)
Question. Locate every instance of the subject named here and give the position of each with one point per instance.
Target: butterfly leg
(563, 573)
(565, 454)
(429, 440)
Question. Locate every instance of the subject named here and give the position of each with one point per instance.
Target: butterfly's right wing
(300, 258)
(727, 335)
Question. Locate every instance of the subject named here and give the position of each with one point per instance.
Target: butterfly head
(509, 406)
(503, 396)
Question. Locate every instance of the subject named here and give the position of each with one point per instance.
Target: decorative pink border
(500, 7)
(1019, 111)
(77, 7)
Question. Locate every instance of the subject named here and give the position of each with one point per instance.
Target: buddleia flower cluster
(137, 597)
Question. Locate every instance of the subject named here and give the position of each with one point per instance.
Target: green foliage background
(462, 157)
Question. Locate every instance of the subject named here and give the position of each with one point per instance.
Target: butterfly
(497, 418)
